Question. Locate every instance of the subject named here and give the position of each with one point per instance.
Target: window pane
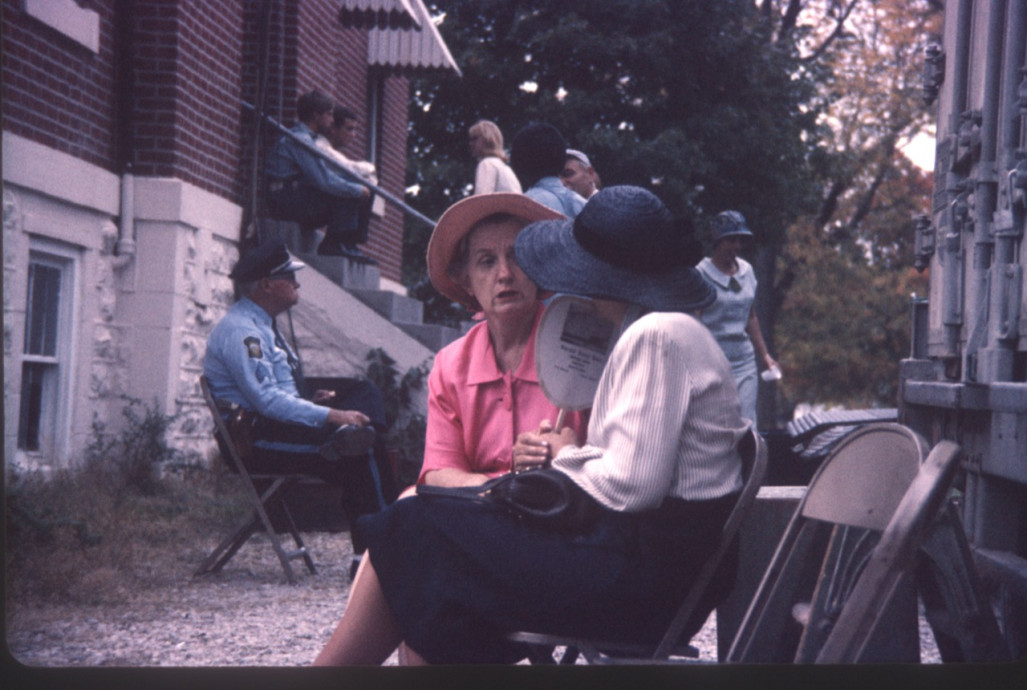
(37, 382)
(43, 309)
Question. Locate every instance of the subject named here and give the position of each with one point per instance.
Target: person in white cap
(579, 175)
(537, 156)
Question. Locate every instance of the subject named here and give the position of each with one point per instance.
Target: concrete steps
(395, 307)
(364, 282)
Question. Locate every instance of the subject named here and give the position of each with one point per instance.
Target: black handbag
(543, 497)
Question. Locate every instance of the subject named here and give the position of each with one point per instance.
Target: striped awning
(415, 49)
(391, 14)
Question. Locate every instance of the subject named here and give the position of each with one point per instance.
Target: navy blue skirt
(458, 575)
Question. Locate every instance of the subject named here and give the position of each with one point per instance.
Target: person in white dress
(492, 174)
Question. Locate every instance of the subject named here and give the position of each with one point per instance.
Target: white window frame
(375, 135)
(375, 111)
(65, 16)
(55, 412)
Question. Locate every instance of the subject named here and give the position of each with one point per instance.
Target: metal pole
(388, 196)
(985, 181)
(950, 231)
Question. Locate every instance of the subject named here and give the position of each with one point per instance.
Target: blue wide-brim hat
(730, 224)
(622, 246)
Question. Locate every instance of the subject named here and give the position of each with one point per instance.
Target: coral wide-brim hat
(457, 222)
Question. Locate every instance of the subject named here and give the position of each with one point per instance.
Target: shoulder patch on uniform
(253, 347)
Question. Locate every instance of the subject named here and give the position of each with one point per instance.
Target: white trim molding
(66, 17)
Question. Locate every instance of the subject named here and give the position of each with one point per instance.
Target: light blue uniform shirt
(247, 367)
(549, 191)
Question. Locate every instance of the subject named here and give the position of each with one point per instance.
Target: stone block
(343, 272)
(395, 307)
(432, 336)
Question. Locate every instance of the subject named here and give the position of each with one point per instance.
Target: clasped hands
(339, 417)
(537, 448)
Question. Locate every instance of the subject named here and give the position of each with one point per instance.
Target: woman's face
(577, 177)
(493, 276)
(477, 145)
(610, 310)
(729, 247)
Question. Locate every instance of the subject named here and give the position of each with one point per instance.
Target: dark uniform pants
(345, 220)
(366, 481)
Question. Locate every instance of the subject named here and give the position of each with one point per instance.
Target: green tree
(791, 111)
(691, 99)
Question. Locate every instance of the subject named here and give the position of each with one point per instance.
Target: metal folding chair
(867, 510)
(271, 500)
(673, 645)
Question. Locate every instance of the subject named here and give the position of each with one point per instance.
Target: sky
(921, 151)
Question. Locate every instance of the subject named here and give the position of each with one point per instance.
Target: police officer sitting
(249, 364)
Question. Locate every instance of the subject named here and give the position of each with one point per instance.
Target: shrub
(406, 427)
(136, 456)
(78, 537)
(86, 535)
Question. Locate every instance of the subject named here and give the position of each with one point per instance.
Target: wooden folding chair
(272, 499)
(671, 647)
(867, 510)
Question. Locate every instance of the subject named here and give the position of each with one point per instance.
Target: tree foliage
(791, 111)
(844, 278)
(845, 322)
(690, 99)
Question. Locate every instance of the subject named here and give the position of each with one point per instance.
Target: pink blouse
(475, 411)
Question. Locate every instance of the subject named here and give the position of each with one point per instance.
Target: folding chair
(753, 451)
(868, 510)
(272, 499)
(956, 602)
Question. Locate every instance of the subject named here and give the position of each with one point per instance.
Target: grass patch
(83, 537)
(135, 513)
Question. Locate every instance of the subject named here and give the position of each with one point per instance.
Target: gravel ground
(247, 615)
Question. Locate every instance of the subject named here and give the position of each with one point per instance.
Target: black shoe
(327, 248)
(354, 253)
(346, 441)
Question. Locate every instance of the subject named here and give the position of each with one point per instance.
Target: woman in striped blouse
(451, 577)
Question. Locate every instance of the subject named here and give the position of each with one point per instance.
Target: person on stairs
(305, 188)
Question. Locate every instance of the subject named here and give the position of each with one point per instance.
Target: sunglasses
(290, 276)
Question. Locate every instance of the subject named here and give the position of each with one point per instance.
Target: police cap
(269, 259)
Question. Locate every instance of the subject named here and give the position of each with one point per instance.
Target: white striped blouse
(665, 421)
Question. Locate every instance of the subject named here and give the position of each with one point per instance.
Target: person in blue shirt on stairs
(304, 188)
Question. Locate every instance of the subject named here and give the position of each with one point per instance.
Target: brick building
(131, 181)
